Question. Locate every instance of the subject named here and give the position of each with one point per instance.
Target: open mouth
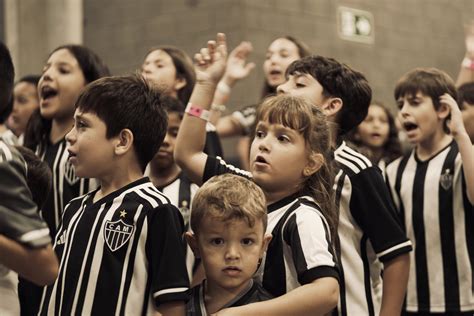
(275, 72)
(48, 92)
(260, 159)
(71, 154)
(408, 126)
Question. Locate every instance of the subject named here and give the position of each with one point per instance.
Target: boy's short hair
(171, 104)
(128, 102)
(466, 94)
(7, 75)
(340, 81)
(228, 197)
(38, 175)
(430, 82)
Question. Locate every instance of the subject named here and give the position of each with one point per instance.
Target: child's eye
(247, 241)
(217, 241)
(300, 85)
(80, 124)
(284, 138)
(63, 70)
(284, 53)
(259, 134)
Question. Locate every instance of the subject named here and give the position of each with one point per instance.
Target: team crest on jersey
(117, 234)
(70, 173)
(446, 180)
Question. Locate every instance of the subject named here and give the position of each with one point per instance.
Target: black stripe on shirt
(446, 227)
(422, 284)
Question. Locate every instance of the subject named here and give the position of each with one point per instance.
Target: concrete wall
(408, 33)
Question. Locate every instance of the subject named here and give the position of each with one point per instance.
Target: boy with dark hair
(228, 221)
(24, 237)
(369, 233)
(112, 241)
(466, 101)
(433, 189)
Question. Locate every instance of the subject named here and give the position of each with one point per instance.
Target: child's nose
(232, 252)
(71, 136)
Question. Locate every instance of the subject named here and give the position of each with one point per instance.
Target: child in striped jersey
(433, 189)
(167, 176)
(68, 70)
(228, 223)
(290, 162)
(370, 236)
(120, 246)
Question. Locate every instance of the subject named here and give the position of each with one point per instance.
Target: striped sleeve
(19, 218)
(307, 234)
(168, 274)
(216, 166)
(372, 208)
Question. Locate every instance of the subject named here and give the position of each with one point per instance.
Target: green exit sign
(355, 25)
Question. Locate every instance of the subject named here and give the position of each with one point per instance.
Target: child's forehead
(413, 94)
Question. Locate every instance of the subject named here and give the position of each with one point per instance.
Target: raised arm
(210, 66)
(466, 149)
(466, 72)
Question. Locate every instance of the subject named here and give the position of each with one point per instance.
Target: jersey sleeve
(169, 277)
(216, 166)
(372, 208)
(307, 235)
(246, 118)
(19, 217)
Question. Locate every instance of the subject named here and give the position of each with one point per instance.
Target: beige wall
(408, 33)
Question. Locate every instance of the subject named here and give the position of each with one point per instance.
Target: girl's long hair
(92, 67)
(311, 123)
(392, 149)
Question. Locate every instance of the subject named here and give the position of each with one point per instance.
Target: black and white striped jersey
(431, 198)
(66, 185)
(301, 250)
(369, 231)
(19, 218)
(181, 192)
(120, 255)
(253, 293)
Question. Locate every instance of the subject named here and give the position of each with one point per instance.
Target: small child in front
(120, 246)
(228, 221)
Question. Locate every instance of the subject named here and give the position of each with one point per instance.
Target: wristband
(223, 87)
(196, 111)
(218, 107)
(468, 63)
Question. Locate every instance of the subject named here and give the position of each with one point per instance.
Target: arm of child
(316, 298)
(192, 133)
(171, 309)
(466, 73)
(237, 69)
(39, 265)
(466, 149)
(395, 280)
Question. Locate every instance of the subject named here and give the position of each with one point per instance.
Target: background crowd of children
(336, 204)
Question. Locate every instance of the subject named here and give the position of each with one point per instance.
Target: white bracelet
(223, 87)
(218, 107)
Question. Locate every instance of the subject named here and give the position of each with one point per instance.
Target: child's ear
(193, 244)
(266, 240)
(124, 142)
(443, 111)
(179, 83)
(332, 106)
(315, 162)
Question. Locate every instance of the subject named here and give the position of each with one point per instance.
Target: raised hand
(456, 124)
(469, 30)
(211, 61)
(237, 66)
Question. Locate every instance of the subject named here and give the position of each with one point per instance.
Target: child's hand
(469, 29)
(237, 68)
(211, 61)
(455, 124)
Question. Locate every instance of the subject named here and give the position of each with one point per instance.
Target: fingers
(222, 45)
(449, 100)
